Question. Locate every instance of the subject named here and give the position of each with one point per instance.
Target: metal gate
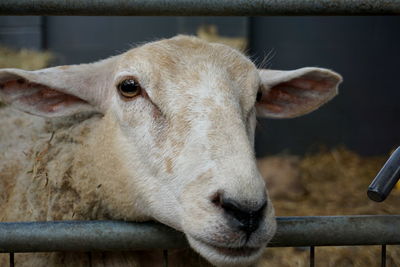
(308, 231)
(115, 235)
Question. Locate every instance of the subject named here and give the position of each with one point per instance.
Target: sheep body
(37, 180)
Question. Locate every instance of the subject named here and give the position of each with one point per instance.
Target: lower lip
(232, 252)
(236, 252)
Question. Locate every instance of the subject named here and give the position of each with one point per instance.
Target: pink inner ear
(283, 94)
(312, 84)
(37, 96)
(295, 96)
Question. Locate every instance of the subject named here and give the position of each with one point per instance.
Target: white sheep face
(183, 114)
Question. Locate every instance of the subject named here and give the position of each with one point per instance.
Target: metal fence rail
(199, 7)
(117, 236)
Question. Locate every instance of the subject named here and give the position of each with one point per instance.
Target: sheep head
(183, 113)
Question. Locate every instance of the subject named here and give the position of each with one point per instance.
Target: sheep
(164, 132)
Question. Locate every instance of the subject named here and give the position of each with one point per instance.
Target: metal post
(383, 256)
(312, 256)
(11, 259)
(165, 256)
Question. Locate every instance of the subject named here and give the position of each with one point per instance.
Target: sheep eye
(129, 88)
(259, 96)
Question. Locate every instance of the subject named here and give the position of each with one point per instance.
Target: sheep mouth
(236, 252)
(231, 252)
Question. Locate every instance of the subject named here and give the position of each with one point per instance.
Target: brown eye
(129, 88)
(259, 96)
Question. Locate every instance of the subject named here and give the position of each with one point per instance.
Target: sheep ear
(57, 91)
(289, 94)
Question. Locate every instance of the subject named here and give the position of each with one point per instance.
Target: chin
(226, 256)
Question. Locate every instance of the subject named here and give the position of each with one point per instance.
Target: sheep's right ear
(57, 91)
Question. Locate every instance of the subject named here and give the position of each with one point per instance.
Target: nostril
(217, 199)
(244, 218)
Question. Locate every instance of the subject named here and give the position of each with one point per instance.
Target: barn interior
(319, 164)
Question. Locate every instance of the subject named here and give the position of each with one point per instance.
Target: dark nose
(243, 218)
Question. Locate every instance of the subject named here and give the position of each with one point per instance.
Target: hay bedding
(24, 59)
(331, 183)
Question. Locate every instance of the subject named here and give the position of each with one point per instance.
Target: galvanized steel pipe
(337, 231)
(199, 7)
(117, 236)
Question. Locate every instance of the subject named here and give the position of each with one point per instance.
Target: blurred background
(365, 50)
(319, 164)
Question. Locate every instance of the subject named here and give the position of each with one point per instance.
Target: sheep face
(194, 122)
(183, 114)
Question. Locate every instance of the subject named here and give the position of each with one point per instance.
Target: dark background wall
(85, 39)
(365, 50)
(21, 32)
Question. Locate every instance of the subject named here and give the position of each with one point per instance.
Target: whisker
(267, 61)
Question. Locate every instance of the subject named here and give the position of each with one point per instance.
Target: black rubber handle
(386, 179)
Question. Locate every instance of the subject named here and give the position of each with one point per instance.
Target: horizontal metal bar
(337, 230)
(117, 235)
(199, 7)
(87, 236)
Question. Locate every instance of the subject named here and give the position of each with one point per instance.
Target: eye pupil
(259, 96)
(129, 88)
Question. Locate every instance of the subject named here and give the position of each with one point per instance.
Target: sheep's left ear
(289, 94)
